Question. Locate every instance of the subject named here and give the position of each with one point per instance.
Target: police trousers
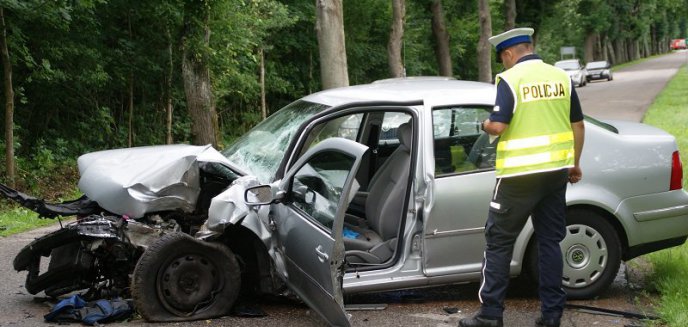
(542, 196)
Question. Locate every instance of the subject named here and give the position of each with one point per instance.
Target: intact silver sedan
(368, 188)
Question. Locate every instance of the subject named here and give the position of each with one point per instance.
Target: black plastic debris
(80, 206)
(451, 310)
(248, 311)
(611, 312)
(366, 307)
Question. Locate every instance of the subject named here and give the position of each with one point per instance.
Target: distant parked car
(598, 70)
(575, 70)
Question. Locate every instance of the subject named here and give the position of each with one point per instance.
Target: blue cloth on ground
(105, 311)
(74, 308)
(66, 309)
(348, 233)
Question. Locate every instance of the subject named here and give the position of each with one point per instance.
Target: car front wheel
(591, 252)
(179, 278)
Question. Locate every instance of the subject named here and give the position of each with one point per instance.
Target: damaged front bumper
(97, 253)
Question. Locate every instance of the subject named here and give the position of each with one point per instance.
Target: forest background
(86, 75)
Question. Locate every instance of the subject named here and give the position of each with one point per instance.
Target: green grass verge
(669, 112)
(631, 63)
(670, 274)
(17, 220)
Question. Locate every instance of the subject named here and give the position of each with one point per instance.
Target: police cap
(511, 38)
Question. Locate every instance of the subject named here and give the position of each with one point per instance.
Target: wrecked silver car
(360, 189)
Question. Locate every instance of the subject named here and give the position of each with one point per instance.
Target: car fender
(608, 202)
(230, 208)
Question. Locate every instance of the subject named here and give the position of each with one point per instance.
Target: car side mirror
(304, 194)
(259, 195)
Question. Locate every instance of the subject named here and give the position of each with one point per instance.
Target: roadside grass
(16, 220)
(670, 267)
(631, 63)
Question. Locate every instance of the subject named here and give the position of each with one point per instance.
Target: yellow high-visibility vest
(539, 137)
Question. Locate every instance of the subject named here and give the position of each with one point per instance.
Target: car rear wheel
(591, 252)
(180, 278)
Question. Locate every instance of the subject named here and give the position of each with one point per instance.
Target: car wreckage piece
(132, 222)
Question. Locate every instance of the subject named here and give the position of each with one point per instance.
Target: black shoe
(481, 321)
(546, 322)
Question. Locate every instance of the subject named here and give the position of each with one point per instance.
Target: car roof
(436, 91)
(567, 60)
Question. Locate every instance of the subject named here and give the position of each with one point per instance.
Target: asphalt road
(625, 98)
(633, 89)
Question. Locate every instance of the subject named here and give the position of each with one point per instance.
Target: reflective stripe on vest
(539, 137)
(536, 141)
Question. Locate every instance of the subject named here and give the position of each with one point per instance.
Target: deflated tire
(180, 278)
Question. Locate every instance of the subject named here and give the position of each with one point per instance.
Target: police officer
(538, 117)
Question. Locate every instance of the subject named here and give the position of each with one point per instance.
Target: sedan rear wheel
(591, 252)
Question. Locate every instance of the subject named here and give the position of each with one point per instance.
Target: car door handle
(322, 256)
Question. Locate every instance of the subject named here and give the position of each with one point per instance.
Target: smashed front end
(97, 253)
(132, 197)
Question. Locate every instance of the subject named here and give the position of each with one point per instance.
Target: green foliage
(73, 62)
(563, 29)
(670, 276)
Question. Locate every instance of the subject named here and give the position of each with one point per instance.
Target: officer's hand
(575, 175)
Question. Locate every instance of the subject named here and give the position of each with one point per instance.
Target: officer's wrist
(482, 125)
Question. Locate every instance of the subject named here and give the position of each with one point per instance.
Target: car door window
(459, 144)
(346, 126)
(390, 124)
(317, 185)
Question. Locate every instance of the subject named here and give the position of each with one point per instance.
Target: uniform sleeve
(504, 104)
(576, 110)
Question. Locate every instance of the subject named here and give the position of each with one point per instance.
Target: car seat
(373, 239)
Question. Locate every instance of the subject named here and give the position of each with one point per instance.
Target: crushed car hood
(135, 181)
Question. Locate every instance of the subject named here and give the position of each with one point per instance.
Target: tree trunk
(130, 121)
(130, 124)
(633, 50)
(610, 52)
(484, 48)
(589, 45)
(168, 84)
(263, 105)
(599, 49)
(330, 29)
(396, 36)
(510, 14)
(197, 86)
(9, 103)
(653, 40)
(439, 30)
(620, 51)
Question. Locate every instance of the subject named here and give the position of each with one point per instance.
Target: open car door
(308, 221)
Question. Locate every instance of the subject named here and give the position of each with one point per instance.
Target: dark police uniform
(516, 197)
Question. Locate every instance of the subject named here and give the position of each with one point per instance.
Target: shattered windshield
(260, 151)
